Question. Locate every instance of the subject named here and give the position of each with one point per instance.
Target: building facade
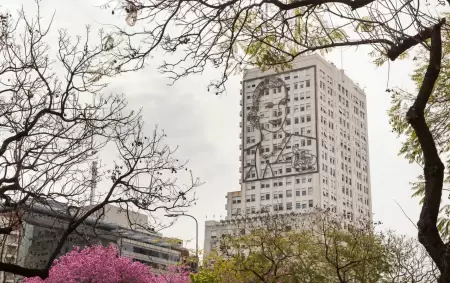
(34, 240)
(303, 144)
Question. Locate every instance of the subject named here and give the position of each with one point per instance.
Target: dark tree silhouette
(55, 121)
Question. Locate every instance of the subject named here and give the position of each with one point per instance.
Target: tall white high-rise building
(303, 144)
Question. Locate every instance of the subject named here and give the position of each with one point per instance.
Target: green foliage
(318, 251)
(365, 25)
(270, 49)
(216, 269)
(437, 115)
(204, 276)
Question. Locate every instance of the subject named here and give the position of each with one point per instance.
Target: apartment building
(303, 144)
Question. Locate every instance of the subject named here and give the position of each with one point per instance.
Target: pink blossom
(103, 265)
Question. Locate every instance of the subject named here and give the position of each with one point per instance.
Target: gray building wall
(40, 232)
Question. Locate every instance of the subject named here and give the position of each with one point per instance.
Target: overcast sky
(206, 127)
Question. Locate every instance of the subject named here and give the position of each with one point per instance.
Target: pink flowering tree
(104, 265)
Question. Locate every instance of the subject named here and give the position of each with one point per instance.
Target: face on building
(270, 121)
(269, 106)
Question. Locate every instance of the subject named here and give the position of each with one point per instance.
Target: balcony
(240, 113)
(240, 102)
(240, 124)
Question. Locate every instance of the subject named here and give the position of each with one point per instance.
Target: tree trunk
(429, 235)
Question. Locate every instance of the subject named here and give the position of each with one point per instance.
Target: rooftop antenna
(93, 181)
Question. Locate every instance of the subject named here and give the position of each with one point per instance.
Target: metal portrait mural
(299, 159)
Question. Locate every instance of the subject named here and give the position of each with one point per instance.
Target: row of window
(277, 207)
(268, 173)
(280, 194)
(279, 182)
(298, 85)
(297, 120)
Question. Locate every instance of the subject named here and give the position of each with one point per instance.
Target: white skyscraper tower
(303, 143)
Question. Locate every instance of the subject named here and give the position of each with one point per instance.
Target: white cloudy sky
(206, 127)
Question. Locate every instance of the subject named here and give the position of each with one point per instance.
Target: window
(267, 196)
(310, 191)
(297, 193)
(308, 118)
(278, 207)
(308, 142)
(288, 193)
(310, 203)
(308, 107)
(298, 205)
(303, 192)
(289, 206)
(308, 84)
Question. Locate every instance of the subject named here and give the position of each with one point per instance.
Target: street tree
(408, 260)
(104, 264)
(295, 248)
(57, 121)
(436, 115)
(317, 247)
